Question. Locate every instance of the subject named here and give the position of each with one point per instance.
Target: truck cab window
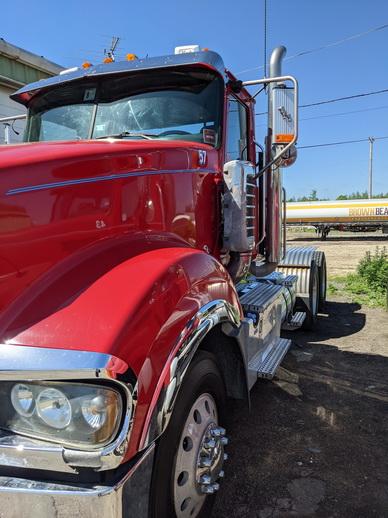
(166, 106)
(236, 131)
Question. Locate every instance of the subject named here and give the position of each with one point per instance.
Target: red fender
(136, 311)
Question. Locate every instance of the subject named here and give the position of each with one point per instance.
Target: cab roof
(208, 59)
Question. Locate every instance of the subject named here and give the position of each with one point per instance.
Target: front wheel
(190, 453)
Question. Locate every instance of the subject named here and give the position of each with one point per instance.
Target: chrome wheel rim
(199, 459)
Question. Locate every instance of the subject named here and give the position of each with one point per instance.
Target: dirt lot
(343, 249)
(315, 442)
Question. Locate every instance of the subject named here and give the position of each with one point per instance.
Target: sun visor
(208, 59)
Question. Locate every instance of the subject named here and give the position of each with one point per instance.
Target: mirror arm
(259, 162)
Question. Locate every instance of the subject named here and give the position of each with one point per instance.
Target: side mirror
(286, 159)
(283, 124)
(283, 107)
(283, 114)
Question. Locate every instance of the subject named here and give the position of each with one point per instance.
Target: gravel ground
(343, 249)
(315, 442)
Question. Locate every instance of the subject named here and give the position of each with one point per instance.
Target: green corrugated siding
(19, 71)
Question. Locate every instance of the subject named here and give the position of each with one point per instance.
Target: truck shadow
(316, 438)
(337, 319)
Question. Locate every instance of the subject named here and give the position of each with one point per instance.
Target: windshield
(170, 105)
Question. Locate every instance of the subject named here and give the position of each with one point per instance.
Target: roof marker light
(131, 57)
(68, 70)
(185, 49)
(86, 64)
(108, 60)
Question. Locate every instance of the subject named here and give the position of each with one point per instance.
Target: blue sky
(71, 32)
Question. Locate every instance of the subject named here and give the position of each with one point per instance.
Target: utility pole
(370, 190)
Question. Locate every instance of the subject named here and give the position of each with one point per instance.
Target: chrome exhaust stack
(274, 174)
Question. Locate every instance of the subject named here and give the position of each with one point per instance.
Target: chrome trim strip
(43, 363)
(65, 183)
(213, 313)
(23, 452)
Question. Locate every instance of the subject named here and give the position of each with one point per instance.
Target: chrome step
(257, 296)
(280, 278)
(265, 363)
(296, 321)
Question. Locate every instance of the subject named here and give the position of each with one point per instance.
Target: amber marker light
(283, 138)
(108, 60)
(86, 64)
(131, 57)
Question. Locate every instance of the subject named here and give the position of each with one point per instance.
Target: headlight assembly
(76, 415)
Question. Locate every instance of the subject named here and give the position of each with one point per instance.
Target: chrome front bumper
(22, 498)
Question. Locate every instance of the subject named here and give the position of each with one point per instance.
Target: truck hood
(86, 206)
(29, 154)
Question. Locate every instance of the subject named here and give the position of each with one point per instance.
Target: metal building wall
(19, 67)
(8, 108)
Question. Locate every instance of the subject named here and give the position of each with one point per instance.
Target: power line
(342, 142)
(338, 114)
(344, 113)
(323, 47)
(337, 99)
(343, 98)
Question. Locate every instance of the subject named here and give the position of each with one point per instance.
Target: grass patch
(369, 285)
(357, 289)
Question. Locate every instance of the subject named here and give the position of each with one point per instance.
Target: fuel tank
(338, 211)
(86, 206)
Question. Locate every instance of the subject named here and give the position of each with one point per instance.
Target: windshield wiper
(123, 134)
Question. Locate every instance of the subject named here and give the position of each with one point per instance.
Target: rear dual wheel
(313, 304)
(322, 270)
(190, 453)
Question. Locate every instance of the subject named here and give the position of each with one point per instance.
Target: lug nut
(209, 443)
(224, 441)
(216, 486)
(221, 474)
(218, 432)
(205, 479)
(226, 456)
(205, 462)
(207, 489)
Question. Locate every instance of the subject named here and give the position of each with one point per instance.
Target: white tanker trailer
(350, 215)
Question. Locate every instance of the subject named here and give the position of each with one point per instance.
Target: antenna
(111, 52)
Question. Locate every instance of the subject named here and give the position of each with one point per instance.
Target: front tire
(190, 453)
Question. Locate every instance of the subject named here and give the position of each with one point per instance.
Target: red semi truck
(144, 281)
